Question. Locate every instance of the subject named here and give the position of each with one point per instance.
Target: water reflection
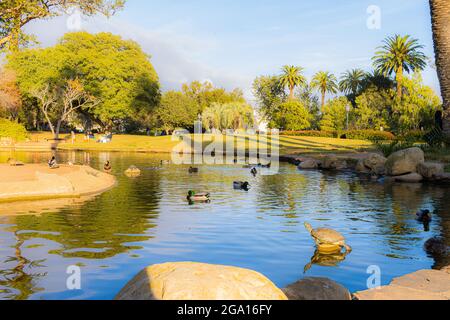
(149, 220)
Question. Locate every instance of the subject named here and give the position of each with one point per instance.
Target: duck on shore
(15, 163)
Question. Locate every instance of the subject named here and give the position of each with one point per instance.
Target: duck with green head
(198, 197)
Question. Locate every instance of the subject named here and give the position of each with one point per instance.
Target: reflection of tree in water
(17, 283)
(103, 227)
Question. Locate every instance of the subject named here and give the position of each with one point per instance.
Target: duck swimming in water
(193, 170)
(198, 197)
(254, 172)
(239, 185)
(107, 167)
(424, 216)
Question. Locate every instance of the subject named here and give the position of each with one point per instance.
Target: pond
(148, 220)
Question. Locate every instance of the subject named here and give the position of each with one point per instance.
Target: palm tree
(292, 77)
(325, 82)
(351, 81)
(377, 79)
(398, 55)
(440, 14)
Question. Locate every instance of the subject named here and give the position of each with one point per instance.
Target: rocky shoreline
(39, 182)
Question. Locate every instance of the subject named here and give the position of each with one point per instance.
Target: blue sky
(232, 42)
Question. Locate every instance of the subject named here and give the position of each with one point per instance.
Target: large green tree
(440, 13)
(351, 83)
(291, 78)
(116, 72)
(232, 115)
(269, 95)
(398, 55)
(291, 115)
(16, 14)
(325, 82)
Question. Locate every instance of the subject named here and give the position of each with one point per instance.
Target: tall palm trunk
(291, 93)
(323, 100)
(440, 16)
(399, 78)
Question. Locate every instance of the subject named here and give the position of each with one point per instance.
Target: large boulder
(375, 163)
(430, 170)
(198, 281)
(316, 289)
(308, 164)
(404, 161)
(361, 168)
(331, 162)
(409, 178)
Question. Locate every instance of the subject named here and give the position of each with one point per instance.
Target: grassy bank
(134, 143)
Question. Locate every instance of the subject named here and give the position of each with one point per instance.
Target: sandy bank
(37, 181)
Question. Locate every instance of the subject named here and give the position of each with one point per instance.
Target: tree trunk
(291, 93)
(440, 15)
(399, 78)
(323, 101)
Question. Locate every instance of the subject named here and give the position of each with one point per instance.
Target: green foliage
(269, 94)
(351, 82)
(291, 115)
(176, 110)
(13, 130)
(115, 71)
(16, 14)
(372, 109)
(325, 82)
(232, 115)
(291, 78)
(335, 115)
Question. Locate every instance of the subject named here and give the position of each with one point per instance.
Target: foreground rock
(332, 162)
(197, 281)
(37, 182)
(316, 289)
(308, 164)
(404, 161)
(421, 285)
(409, 178)
(430, 170)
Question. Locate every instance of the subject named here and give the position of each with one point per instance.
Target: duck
(240, 185)
(254, 172)
(267, 166)
(163, 162)
(107, 167)
(15, 163)
(193, 196)
(193, 170)
(424, 216)
(133, 172)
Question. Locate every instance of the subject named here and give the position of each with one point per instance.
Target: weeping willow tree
(233, 115)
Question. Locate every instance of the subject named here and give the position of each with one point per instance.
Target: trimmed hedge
(373, 135)
(309, 133)
(13, 130)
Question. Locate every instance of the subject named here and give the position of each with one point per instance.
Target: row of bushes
(12, 130)
(351, 134)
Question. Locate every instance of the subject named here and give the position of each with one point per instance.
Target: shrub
(372, 135)
(389, 148)
(309, 133)
(414, 136)
(13, 130)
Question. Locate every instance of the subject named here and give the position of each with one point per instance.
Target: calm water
(147, 220)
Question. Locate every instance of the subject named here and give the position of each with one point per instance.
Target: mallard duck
(15, 163)
(240, 185)
(133, 172)
(424, 216)
(163, 162)
(254, 172)
(193, 170)
(267, 166)
(193, 196)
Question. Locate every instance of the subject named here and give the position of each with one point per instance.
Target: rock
(443, 177)
(429, 170)
(197, 281)
(361, 168)
(404, 161)
(396, 293)
(375, 163)
(316, 289)
(446, 269)
(409, 178)
(308, 164)
(433, 281)
(331, 162)
(436, 247)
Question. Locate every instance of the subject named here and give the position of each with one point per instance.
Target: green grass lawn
(135, 143)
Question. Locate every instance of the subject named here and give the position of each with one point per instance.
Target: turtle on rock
(328, 240)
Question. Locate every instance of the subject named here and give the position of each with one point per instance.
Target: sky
(231, 42)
